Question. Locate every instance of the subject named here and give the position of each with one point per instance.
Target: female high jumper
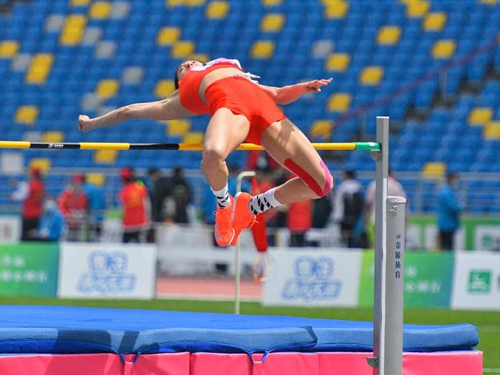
(241, 110)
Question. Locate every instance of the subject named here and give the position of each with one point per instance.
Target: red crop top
(190, 84)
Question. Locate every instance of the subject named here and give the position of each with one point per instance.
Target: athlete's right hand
(84, 123)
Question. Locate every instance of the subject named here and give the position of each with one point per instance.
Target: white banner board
(487, 237)
(476, 283)
(313, 277)
(107, 270)
(10, 228)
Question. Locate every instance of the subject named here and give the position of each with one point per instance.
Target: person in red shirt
(31, 194)
(299, 220)
(134, 198)
(73, 203)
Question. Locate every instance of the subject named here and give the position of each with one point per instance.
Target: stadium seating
(60, 58)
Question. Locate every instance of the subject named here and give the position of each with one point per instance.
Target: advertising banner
(477, 281)
(313, 277)
(427, 279)
(107, 270)
(487, 237)
(29, 269)
(10, 228)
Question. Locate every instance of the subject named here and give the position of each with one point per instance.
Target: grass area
(487, 322)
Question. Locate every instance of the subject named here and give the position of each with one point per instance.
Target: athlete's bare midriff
(214, 76)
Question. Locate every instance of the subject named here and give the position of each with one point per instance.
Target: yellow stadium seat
(489, 2)
(417, 9)
(78, 3)
(97, 179)
(272, 23)
(100, 10)
(26, 114)
(492, 130)
(107, 88)
(433, 169)
(339, 102)
(271, 3)
(434, 21)
(321, 129)
(164, 88)
(371, 75)
(106, 156)
(39, 68)
(217, 10)
(182, 49)
(168, 36)
(338, 62)
(262, 49)
(42, 164)
(8, 48)
(480, 116)
(389, 35)
(53, 137)
(443, 49)
(178, 127)
(336, 10)
(193, 137)
(73, 30)
(191, 3)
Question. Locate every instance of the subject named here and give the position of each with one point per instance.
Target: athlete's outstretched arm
(290, 93)
(169, 108)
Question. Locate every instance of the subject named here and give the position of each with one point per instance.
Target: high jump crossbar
(369, 146)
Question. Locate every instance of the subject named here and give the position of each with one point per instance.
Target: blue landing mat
(64, 330)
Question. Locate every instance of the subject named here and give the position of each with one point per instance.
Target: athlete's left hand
(315, 86)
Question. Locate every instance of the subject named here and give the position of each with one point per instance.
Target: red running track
(210, 289)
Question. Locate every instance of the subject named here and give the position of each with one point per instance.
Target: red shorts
(243, 97)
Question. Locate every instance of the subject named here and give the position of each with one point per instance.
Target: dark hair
(350, 173)
(176, 79)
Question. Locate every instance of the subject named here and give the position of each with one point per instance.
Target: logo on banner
(479, 282)
(312, 281)
(107, 274)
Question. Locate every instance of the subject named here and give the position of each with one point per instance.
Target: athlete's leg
(225, 132)
(293, 150)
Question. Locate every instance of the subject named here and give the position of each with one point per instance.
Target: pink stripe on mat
(436, 363)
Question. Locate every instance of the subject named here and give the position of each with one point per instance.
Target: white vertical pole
(237, 267)
(382, 167)
(394, 285)
(389, 287)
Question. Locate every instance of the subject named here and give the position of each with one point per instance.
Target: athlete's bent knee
(309, 180)
(212, 157)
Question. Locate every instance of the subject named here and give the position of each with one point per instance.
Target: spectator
(181, 195)
(322, 211)
(51, 227)
(348, 208)
(394, 188)
(449, 210)
(136, 206)
(162, 205)
(30, 194)
(96, 208)
(73, 203)
(160, 191)
(299, 221)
